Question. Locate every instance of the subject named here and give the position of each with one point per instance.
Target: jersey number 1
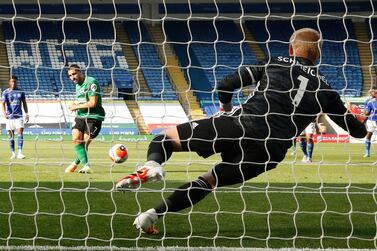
(301, 90)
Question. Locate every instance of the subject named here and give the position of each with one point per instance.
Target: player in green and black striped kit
(89, 116)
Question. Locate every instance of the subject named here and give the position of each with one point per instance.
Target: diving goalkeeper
(253, 138)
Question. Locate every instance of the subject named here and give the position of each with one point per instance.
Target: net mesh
(158, 65)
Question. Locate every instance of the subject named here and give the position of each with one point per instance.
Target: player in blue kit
(307, 142)
(371, 123)
(13, 102)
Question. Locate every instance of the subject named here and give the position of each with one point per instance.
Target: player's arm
(367, 109)
(26, 110)
(3, 104)
(243, 77)
(342, 117)
(4, 109)
(91, 103)
(92, 98)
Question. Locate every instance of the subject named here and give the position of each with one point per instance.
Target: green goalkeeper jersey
(84, 91)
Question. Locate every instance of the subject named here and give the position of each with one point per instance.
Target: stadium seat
(42, 68)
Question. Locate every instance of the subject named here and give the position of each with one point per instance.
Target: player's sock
(160, 149)
(20, 142)
(11, 144)
(77, 161)
(303, 147)
(310, 148)
(81, 153)
(367, 147)
(185, 196)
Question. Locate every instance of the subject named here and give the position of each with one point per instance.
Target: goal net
(157, 64)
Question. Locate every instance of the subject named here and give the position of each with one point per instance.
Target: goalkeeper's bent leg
(160, 149)
(223, 174)
(185, 196)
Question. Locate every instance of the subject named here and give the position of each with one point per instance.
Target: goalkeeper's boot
(145, 222)
(71, 168)
(151, 171)
(86, 169)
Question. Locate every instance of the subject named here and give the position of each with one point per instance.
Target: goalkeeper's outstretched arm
(244, 77)
(345, 119)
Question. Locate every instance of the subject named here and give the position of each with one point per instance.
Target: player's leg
(92, 129)
(197, 136)
(370, 126)
(159, 151)
(236, 168)
(11, 144)
(303, 147)
(10, 127)
(19, 123)
(183, 197)
(205, 137)
(84, 154)
(310, 147)
(368, 139)
(79, 146)
(20, 143)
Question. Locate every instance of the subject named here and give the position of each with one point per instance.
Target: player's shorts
(89, 126)
(243, 158)
(371, 125)
(14, 124)
(310, 129)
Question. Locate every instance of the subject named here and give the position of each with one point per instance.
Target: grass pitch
(328, 203)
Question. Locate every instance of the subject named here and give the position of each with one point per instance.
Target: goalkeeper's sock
(160, 149)
(310, 147)
(185, 196)
(11, 144)
(81, 153)
(367, 147)
(20, 142)
(303, 147)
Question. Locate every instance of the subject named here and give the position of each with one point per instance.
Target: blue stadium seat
(214, 52)
(150, 63)
(41, 57)
(340, 58)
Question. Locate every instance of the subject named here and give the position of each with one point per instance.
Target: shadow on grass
(82, 213)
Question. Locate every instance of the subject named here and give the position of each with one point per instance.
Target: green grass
(329, 203)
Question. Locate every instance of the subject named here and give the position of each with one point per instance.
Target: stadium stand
(38, 56)
(149, 61)
(373, 36)
(340, 58)
(214, 52)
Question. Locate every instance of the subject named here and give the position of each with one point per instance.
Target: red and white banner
(332, 138)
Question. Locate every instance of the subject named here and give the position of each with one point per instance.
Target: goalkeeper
(89, 116)
(253, 138)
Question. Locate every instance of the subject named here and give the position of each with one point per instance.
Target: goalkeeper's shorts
(225, 135)
(243, 158)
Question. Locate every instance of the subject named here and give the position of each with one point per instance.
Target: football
(118, 153)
